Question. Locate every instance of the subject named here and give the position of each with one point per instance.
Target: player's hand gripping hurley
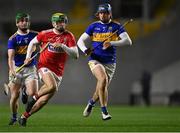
(42, 49)
(90, 50)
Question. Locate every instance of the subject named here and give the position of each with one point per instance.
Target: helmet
(104, 8)
(21, 16)
(59, 17)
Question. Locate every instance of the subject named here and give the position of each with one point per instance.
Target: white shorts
(25, 75)
(45, 70)
(109, 68)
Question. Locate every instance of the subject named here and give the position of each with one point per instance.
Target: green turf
(60, 118)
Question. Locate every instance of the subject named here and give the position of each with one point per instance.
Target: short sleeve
(11, 44)
(89, 30)
(40, 36)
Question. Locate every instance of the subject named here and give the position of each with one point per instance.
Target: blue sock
(92, 102)
(104, 110)
(14, 116)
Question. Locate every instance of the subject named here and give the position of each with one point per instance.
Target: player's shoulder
(67, 32)
(95, 23)
(115, 22)
(13, 36)
(33, 31)
(47, 31)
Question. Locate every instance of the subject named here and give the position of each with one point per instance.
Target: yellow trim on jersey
(99, 37)
(14, 35)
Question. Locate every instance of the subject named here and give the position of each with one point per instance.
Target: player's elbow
(130, 42)
(76, 56)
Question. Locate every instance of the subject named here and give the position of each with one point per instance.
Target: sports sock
(104, 110)
(92, 102)
(31, 101)
(36, 97)
(14, 116)
(26, 115)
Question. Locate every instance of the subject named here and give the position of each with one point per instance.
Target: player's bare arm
(11, 53)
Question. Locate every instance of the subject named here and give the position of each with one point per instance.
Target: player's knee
(14, 95)
(31, 93)
(103, 80)
(52, 87)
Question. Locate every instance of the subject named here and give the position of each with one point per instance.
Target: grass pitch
(61, 118)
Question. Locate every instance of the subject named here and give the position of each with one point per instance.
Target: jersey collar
(105, 23)
(23, 33)
(57, 33)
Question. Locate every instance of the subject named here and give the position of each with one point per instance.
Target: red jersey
(54, 58)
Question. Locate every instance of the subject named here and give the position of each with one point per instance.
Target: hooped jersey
(54, 58)
(98, 32)
(20, 44)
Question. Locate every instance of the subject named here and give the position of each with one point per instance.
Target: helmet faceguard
(23, 17)
(20, 16)
(104, 8)
(59, 17)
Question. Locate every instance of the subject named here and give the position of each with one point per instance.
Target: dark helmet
(59, 17)
(20, 16)
(104, 8)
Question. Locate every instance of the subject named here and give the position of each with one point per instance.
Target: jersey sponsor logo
(21, 49)
(52, 49)
(99, 37)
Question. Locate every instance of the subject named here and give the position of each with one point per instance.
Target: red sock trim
(26, 114)
(37, 96)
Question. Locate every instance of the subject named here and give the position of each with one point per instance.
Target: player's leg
(49, 79)
(51, 83)
(103, 74)
(41, 102)
(14, 90)
(91, 103)
(32, 88)
(44, 94)
(101, 85)
(50, 86)
(101, 88)
(109, 70)
(6, 89)
(24, 96)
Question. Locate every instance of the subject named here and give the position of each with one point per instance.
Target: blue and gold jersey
(98, 32)
(20, 44)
